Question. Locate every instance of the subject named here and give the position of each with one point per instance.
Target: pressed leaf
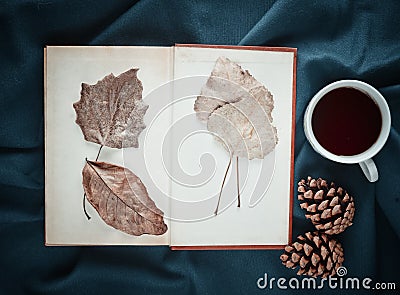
(111, 111)
(121, 199)
(238, 110)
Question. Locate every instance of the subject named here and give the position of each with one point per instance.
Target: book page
(199, 161)
(66, 148)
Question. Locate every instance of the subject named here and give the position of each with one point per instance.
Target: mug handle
(369, 169)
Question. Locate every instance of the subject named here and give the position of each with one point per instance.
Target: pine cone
(316, 254)
(330, 209)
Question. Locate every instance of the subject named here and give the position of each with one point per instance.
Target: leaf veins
(111, 111)
(121, 199)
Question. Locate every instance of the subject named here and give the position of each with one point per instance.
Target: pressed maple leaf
(111, 111)
(121, 199)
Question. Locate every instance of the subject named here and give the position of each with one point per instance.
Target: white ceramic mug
(364, 159)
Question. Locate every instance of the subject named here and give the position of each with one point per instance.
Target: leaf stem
(84, 207)
(98, 154)
(237, 181)
(223, 183)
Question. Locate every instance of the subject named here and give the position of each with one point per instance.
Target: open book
(189, 146)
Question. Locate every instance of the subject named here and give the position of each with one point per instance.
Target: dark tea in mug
(346, 121)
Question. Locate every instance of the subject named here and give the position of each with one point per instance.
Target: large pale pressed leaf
(111, 111)
(121, 199)
(238, 110)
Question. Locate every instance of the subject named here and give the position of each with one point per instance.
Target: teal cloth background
(335, 40)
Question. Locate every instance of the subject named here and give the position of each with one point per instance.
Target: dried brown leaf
(111, 111)
(237, 109)
(121, 199)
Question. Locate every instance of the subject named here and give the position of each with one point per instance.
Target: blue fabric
(335, 40)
